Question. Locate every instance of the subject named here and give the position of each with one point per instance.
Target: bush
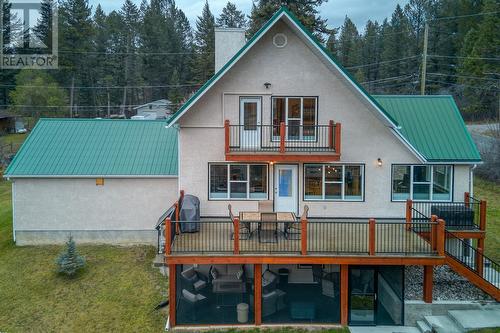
(69, 261)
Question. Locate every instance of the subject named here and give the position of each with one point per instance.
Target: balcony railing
(314, 237)
(282, 138)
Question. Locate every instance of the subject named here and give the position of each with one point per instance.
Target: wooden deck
(323, 238)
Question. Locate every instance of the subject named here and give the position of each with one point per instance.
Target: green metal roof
(283, 11)
(433, 125)
(97, 147)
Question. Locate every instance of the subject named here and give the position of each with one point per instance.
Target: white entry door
(286, 189)
(250, 122)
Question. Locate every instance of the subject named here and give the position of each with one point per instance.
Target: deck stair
(460, 255)
(480, 270)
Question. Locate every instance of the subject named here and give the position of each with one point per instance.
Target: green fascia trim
(292, 17)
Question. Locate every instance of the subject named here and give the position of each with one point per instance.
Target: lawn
(490, 192)
(115, 293)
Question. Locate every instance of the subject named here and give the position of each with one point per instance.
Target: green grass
(15, 139)
(490, 192)
(115, 293)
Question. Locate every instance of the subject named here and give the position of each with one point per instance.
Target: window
(299, 115)
(333, 182)
(421, 182)
(238, 181)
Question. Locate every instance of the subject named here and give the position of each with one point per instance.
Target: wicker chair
(266, 206)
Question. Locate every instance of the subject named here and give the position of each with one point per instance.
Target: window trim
(229, 181)
(316, 120)
(343, 165)
(431, 182)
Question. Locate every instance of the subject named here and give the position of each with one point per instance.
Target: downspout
(471, 179)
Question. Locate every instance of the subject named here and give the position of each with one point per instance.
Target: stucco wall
(127, 209)
(294, 71)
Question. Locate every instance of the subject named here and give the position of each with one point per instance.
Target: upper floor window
(422, 182)
(333, 182)
(238, 181)
(299, 115)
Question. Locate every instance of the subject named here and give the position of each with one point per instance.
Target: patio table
(255, 217)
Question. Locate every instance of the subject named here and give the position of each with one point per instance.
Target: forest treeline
(111, 62)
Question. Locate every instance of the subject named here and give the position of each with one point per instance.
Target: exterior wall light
(267, 85)
(379, 162)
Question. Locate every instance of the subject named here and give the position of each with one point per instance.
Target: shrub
(69, 261)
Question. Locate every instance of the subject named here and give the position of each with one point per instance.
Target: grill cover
(190, 214)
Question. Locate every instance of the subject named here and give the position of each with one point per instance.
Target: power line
(383, 62)
(103, 87)
(464, 76)
(400, 77)
(132, 53)
(462, 85)
(459, 57)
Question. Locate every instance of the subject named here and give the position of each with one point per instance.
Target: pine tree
(205, 45)
(70, 262)
(349, 44)
(231, 17)
(43, 28)
(370, 53)
(305, 10)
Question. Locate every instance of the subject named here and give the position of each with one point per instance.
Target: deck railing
(473, 258)
(319, 237)
(283, 138)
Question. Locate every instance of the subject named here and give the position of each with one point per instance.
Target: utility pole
(71, 97)
(424, 59)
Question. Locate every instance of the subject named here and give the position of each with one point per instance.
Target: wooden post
(371, 239)
(428, 283)
(482, 215)
(236, 235)
(258, 293)
(226, 136)
(168, 236)
(479, 260)
(177, 214)
(409, 205)
(344, 294)
(338, 135)
(467, 199)
(303, 237)
(330, 135)
(440, 239)
(433, 235)
(282, 137)
(171, 294)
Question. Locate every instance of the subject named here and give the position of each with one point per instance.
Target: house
(313, 194)
(160, 109)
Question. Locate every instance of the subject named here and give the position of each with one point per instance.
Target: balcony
(282, 142)
(309, 238)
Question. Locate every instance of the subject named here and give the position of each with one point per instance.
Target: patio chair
(293, 228)
(266, 206)
(245, 231)
(192, 302)
(268, 223)
(192, 280)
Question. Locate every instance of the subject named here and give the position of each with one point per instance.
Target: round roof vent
(280, 40)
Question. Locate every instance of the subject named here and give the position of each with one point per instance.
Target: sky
(359, 11)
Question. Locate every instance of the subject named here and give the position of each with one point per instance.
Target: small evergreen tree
(69, 261)
(231, 17)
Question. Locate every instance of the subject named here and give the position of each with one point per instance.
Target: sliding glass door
(363, 296)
